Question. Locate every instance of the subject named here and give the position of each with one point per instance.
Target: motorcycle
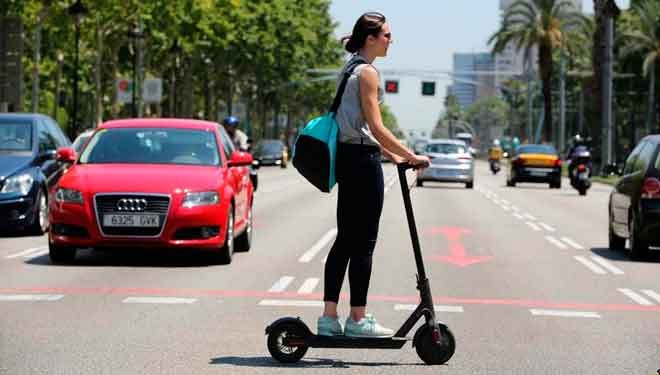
(581, 170)
(494, 166)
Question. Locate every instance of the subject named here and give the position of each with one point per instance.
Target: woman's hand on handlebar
(419, 161)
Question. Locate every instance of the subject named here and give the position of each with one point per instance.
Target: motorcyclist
(237, 136)
(579, 145)
(495, 151)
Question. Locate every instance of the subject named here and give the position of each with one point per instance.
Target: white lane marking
(607, 265)
(635, 297)
(439, 308)
(505, 208)
(518, 216)
(30, 297)
(572, 243)
(533, 226)
(652, 294)
(308, 286)
(504, 201)
(594, 268)
(530, 217)
(515, 208)
(390, 183)
(565, 313)
(547, 227)
(295, 303)
(496, 201)
(281, 284)
(163, 300)
(28, 252)
(318, 246)
(37, 254)
(556, 242)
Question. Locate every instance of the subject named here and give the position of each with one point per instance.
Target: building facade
(469, 87)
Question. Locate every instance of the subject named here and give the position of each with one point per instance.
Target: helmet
(577, 138)
(496, 143)
(230, 121)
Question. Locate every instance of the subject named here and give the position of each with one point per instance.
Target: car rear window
(152, 146)
(15, 136)
(445, 148)
(269, 147)
(536, 149)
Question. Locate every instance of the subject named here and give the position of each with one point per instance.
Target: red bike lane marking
(458, 255)
(319, 296)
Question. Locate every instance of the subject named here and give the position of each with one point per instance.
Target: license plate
(538, 173)
(123, 220)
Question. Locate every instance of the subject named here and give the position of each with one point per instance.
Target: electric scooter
(289, 338)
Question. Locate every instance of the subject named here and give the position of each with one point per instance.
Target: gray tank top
(352, 126)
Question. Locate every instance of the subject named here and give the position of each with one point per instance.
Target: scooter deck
(335, 342)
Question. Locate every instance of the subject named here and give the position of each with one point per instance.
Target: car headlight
(21, 183)
(204, 198)
(69, 196)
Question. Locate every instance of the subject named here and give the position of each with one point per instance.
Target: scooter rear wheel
(430, 352)
(279, 350)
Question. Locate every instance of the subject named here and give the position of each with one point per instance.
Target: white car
(451, 161)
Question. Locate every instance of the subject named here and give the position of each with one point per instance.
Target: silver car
(451, 161)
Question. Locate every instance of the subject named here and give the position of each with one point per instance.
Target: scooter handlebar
(406, 165)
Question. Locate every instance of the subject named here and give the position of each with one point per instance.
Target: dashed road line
(652, 294)
(565, 313)
(160, 300)
(30, 297)
(518, 216)
(318, 246)
(533, 226)
(290, 303)
(308, 286)
(572, 243)
(590, 265)
(29, 253)
(281, 284)
(547, 227)
(607, 265)
(515, 208)
(438, 308)
(556, 242)
(635, 297)
(530, 217)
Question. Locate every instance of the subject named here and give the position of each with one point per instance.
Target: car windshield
(269, 147)
(537, 149)
(152, 146)
(15, 136)
(445, 148)
(80, 142)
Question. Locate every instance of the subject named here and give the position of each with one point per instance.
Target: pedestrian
(362, 137)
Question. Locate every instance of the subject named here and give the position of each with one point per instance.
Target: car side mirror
(66, 155)
(240, 159)
(48, 155)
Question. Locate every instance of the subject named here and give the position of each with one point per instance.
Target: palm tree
(541, 24)
(646, 40)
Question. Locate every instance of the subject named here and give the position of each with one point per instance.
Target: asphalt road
(522, 276)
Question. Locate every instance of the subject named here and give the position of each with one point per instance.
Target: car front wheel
(639, 248)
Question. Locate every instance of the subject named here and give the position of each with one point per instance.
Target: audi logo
(131, 205)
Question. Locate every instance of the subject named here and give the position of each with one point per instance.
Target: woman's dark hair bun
(369, 23)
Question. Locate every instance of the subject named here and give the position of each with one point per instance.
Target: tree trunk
(98, 112)
(595, 88)
(37, 58)
(545, 67)
(651, 108)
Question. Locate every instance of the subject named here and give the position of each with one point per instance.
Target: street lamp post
(175, 50)
(58, 78)
(135, 33)
(78, 11)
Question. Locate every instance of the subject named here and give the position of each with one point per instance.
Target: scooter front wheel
(282, 338)
(428, 350)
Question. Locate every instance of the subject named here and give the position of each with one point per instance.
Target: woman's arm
(371, 111)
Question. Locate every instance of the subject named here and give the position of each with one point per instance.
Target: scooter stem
(405, 190)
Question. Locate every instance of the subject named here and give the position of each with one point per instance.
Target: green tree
(488, 116)
(646, 41)
(390, 121)
(538, 24)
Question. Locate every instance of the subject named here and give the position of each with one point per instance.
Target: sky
(426, 34)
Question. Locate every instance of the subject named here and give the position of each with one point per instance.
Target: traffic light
(428, 88)
(392, 87)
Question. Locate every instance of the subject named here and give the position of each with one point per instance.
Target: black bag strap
(342, 86)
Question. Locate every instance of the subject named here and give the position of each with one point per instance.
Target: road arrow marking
(458, 255)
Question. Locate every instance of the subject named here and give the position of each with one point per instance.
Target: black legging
(359, 205)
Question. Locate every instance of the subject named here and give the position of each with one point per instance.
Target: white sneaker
(367, 327)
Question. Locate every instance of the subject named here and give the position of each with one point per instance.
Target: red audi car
(163, 183)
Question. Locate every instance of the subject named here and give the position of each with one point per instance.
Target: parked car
(28, 169)
(81, 140)
(271, 152)
(162, 183)
(451, 161)
(535, 163)
(634, 204)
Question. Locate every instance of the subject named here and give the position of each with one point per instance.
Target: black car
(28, 169)
(271, 152)
(634, 205)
